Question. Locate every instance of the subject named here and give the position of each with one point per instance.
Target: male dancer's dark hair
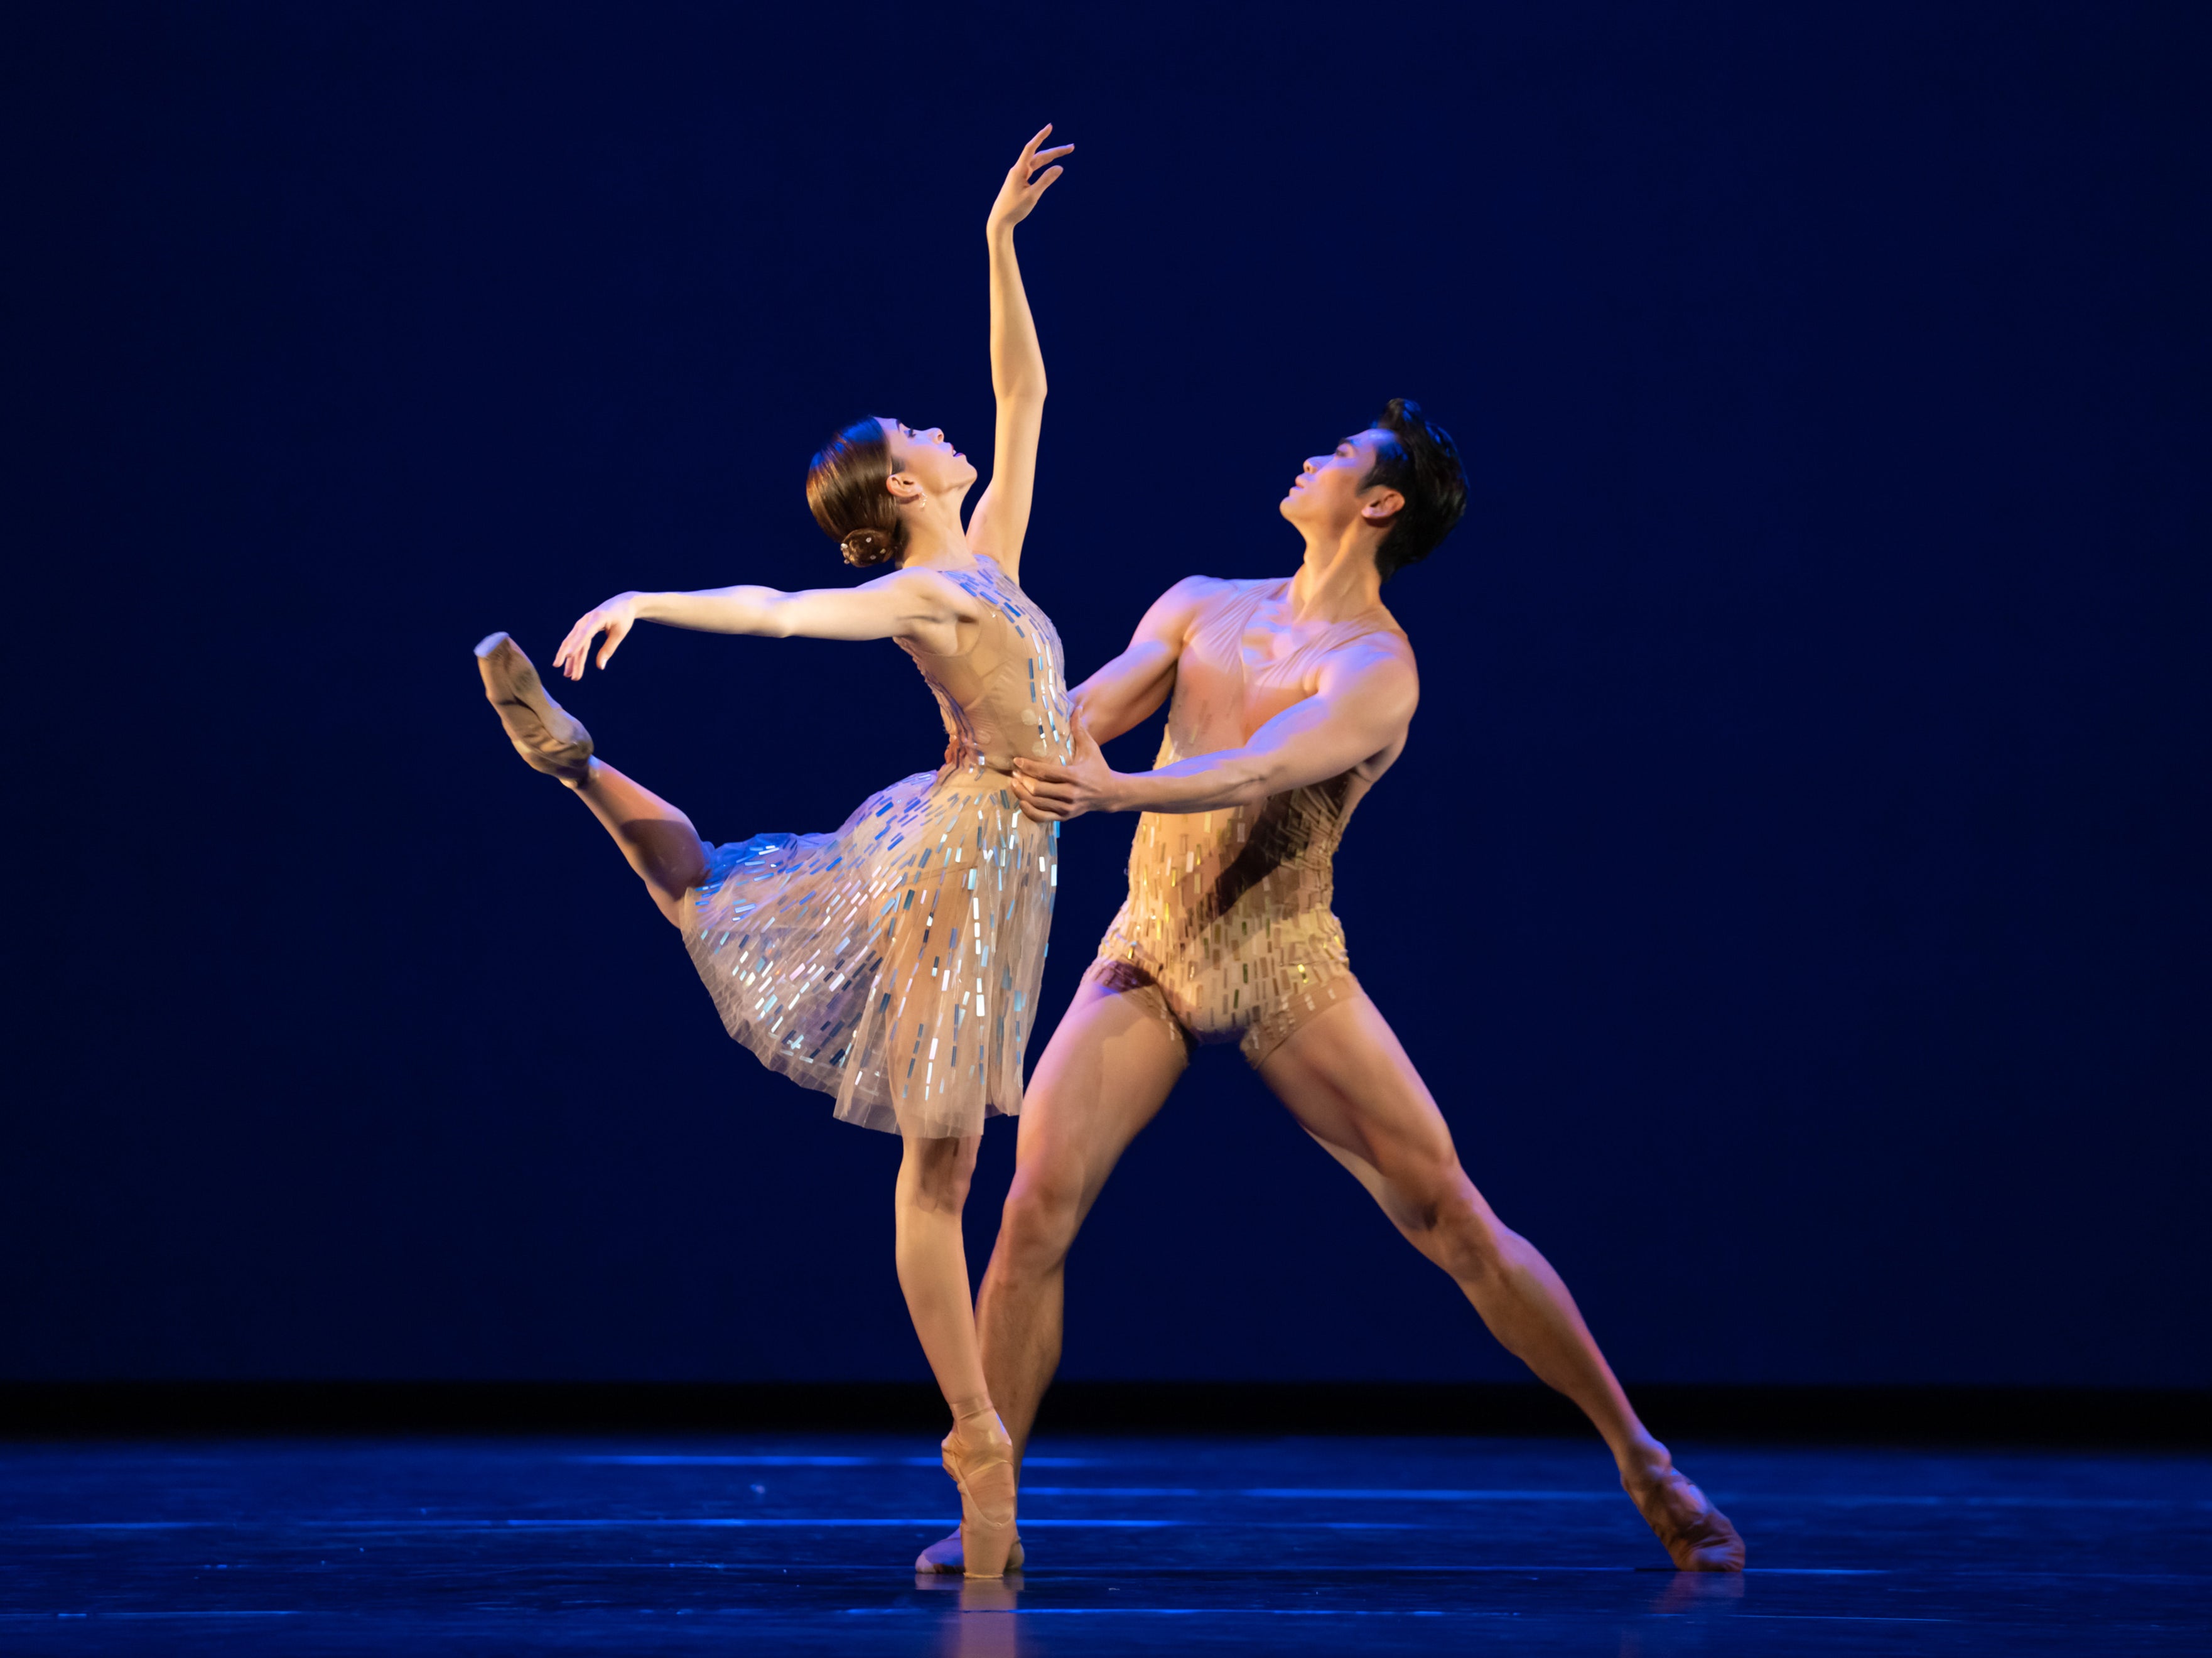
(1423, 465)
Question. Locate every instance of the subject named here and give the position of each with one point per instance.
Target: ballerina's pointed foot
(1698, 1537)
(980, 1457)
(944, 1559)
(549, 738)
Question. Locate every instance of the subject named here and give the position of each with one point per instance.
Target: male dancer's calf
(1291, 698)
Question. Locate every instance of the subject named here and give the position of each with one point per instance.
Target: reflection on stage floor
(1199, 1545)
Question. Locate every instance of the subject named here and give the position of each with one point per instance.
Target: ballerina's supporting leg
(933, 1271)
(1106, 1072)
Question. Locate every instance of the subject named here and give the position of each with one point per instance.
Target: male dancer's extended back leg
(1349, 1083)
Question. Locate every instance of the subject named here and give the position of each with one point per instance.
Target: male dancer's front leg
(1348, 1082)
(1107, 1070)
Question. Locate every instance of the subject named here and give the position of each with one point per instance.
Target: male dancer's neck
(1338, 579)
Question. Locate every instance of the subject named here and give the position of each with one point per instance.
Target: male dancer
(1291, 698)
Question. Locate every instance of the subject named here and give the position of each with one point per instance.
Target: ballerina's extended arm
(919, 605)
(1002, 518)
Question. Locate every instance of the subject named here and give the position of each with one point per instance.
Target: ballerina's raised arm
(1002, 518)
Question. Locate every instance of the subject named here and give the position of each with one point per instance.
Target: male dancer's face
(1326, 499)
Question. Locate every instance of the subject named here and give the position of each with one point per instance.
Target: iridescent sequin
(895, 963)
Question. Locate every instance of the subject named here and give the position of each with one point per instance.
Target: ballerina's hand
(614, 618)
(1052, 793)
(1019, 193)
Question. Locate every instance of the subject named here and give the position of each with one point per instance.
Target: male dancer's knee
(1038, 1227)
(1445, 1218)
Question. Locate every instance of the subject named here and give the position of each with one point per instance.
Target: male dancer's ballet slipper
(980, 1457)
(547, 736)
(944, 1559)
(1698, 1537)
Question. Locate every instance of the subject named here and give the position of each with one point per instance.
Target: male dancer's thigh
(1106, 1072)
(1350, 1085)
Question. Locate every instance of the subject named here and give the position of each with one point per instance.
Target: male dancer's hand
(1052, 793)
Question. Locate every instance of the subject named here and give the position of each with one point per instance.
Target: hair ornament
(865, 546)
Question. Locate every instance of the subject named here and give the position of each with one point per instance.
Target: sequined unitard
(894, 962)
(1227, 934)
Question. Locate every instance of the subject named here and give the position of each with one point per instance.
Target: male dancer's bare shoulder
(1273, 700)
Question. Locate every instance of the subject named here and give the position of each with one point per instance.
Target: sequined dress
(894, 962)
(1228, 932)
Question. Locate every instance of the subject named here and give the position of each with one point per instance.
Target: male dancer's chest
(1234, 674)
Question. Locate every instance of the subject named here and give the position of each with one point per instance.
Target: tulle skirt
(895, 963)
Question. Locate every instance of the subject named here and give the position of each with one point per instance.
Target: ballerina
(893, 963)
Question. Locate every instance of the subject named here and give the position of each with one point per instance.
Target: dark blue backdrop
(1795, 888)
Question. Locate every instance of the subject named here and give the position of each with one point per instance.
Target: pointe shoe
(944, 1557)
(980, 1457)
(1697, 1536)
(549, 738)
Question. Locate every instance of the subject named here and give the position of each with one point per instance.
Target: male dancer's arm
(1132, 686)
(1361, 707)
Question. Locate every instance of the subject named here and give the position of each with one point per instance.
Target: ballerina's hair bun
(846, 492)
(865, 547)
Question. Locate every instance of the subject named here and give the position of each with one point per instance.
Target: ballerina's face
(1325, 494)
(927, 457)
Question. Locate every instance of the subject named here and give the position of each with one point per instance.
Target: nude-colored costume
(895, 963)
(1227, 933)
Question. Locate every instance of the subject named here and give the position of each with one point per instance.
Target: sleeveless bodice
(1007, 696)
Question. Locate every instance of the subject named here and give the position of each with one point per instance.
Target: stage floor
(1318, 1546)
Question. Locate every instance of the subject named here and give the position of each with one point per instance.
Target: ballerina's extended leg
(656, 839)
